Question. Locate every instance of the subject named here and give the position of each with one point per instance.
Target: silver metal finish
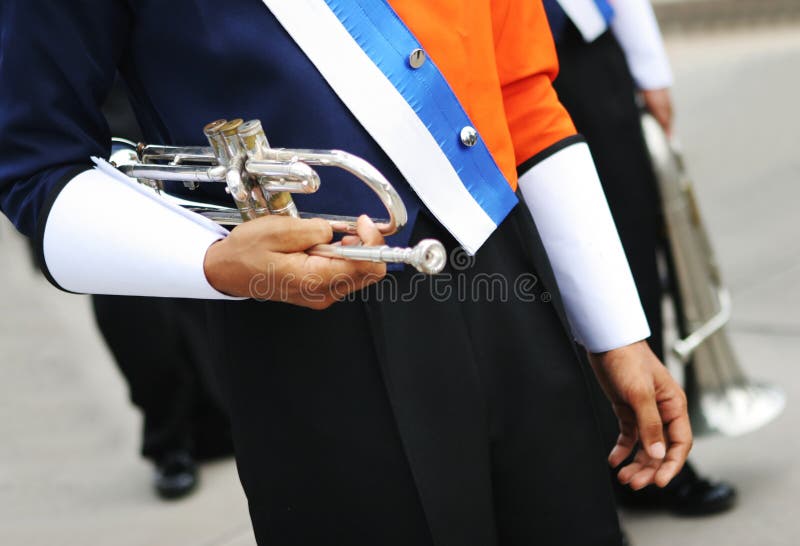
(417, 58)
(291, 176)
(239, 156)
(469, 137)
(362, 170)
(286, 169)
(254, 142)
(429, 256)
(178, 173)
(294, 177)
(722, 399)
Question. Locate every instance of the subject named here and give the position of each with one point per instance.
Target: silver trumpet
(261, 179)
(722, 399)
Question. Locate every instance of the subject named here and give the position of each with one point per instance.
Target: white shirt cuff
(106, 234)
(567, 202)
(636, 29)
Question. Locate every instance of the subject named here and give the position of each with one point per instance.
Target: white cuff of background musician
(106, 234)
(563, 192)
(636, 28)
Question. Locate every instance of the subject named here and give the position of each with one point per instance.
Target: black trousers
(161, 348)
(596, 87)
(449, 410)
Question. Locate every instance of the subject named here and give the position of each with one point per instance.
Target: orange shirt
(500, 60)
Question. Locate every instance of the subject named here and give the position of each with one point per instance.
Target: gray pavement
(69, 473)
(736, 96)
(69, 470)
(715, 15)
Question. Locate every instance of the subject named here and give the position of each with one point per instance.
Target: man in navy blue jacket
(418, 420)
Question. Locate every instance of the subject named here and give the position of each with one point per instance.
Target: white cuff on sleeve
(106, 234)
(636, 29)
(586, 17)
(567, 202)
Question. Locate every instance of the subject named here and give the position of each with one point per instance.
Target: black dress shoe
(688, 495)
(702, 497)
(175, 475)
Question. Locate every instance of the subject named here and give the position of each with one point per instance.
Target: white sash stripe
(386, 116)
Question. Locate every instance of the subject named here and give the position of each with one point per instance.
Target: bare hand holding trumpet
(271, 233)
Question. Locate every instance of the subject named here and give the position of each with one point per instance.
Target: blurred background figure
(160, 347)
(611, 56)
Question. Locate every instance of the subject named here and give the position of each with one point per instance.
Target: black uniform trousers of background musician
(460, 416)
(161, 347)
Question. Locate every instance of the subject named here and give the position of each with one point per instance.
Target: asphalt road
(69, 472)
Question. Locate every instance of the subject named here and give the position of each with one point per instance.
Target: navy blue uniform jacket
(225, 60)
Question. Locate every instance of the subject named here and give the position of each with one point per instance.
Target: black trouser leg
(158, 352)
(414, 421)
(547, 450)
(210, 425)
(317, 447)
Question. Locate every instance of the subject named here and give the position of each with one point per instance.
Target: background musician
(368, 421)
(606, 56)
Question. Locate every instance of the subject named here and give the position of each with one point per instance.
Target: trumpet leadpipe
(176, 155)
(177, 173)
(428, 256)
(294, 177)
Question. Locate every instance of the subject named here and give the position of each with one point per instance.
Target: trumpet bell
(736, 410)
(722, 399)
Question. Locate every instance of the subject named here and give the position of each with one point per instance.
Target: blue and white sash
(362, 48)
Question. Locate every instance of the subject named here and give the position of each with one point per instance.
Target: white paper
(107, 235)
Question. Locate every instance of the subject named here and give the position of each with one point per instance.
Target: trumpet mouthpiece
(429, 257)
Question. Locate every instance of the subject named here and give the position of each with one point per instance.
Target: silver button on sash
(469, 136)
(417, 58)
